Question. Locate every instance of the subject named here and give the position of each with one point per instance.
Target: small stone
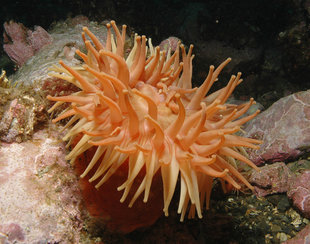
(282, 236)
(275, 228)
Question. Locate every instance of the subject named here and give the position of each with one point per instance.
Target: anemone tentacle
(142, 111)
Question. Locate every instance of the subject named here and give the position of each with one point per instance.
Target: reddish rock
(284, 129)
(299, 192)
(271, 179)
(303, 237)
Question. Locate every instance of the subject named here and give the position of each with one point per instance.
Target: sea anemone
(143, 112)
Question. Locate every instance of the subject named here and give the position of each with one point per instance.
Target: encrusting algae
(142, 115)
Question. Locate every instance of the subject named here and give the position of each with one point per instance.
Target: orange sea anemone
(143, 112)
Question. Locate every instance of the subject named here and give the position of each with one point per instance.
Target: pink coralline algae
(39, 193)
(284, 129)
(22, 43)
(13, 233)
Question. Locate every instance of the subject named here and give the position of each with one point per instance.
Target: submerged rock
(271, 179)
(299, 192)
(303, 237)
(284, 129)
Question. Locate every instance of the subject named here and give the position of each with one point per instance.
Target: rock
(280, 178)
(39, 192)
(299, 192)
(302, 237)
(271, 179)
(284, 128)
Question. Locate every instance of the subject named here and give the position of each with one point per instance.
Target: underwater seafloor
(268, 41)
